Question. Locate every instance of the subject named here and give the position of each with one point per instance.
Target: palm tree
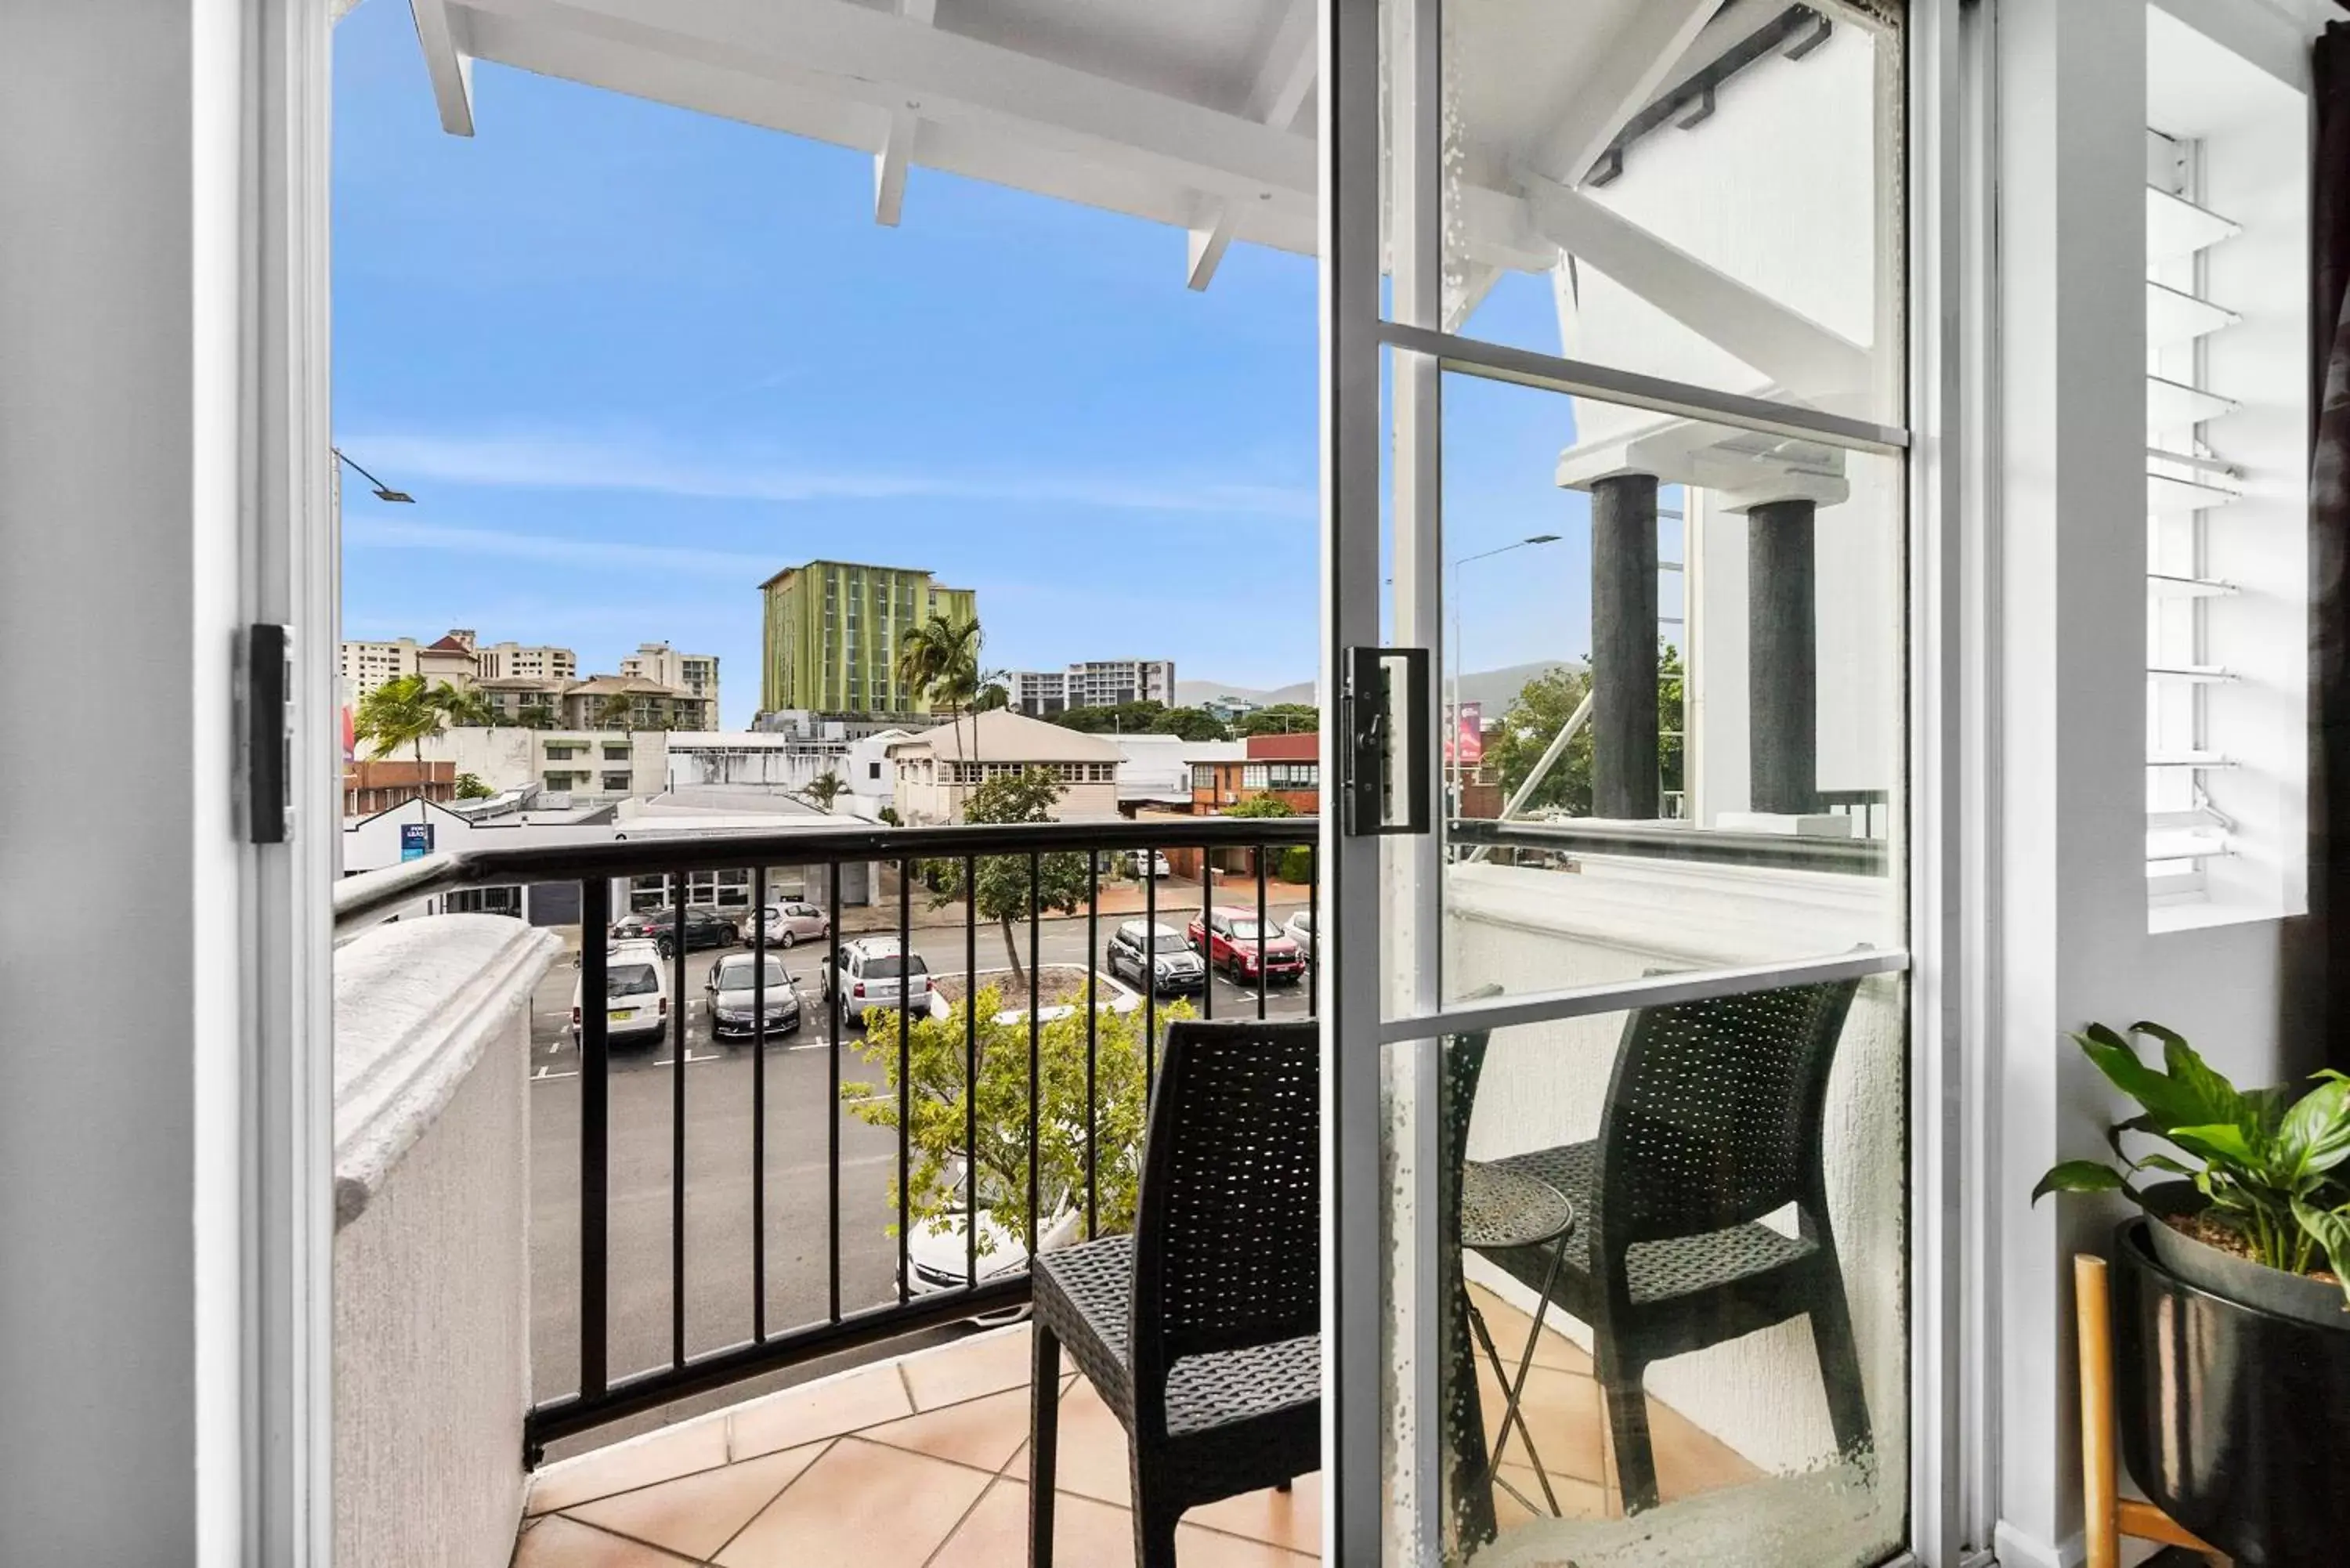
(405, 711)
(938, 660)
(615, 712)
(465, 705)
(822, 790)
(534, 716)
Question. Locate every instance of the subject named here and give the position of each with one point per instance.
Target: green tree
(938, 659)
(1542, 709)
(405, 711)
(468, 708)
(471, 787)
(1259, 804)
(1125, 719)
(534, 716)
(1192, 723)
(944, 1099)
(615, 712)
(822, 790)
(994, 695)
(1000, 892)
(1281, 719)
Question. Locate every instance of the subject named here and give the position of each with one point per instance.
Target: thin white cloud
(382, 534)
(563, 463)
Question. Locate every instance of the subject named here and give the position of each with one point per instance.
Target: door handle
(1386, 712)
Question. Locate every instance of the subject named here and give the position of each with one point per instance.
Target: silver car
(790, 922)
(731, 996)
(1155, 957)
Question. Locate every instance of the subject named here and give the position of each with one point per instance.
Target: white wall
(120, 1293)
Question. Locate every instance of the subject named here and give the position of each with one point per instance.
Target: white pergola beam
(852, 53)
(448, 64)
(1622, 80)
(1285, 76)
(1795, 351)
(897, 152)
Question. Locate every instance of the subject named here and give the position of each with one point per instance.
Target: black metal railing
(918, 855)
(1672, 841)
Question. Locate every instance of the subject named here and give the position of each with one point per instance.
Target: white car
(731, 996)
(636, 995)
(791, 922)
(938, 1259)
(1300, 927)
(866, 971)
(1148, 862)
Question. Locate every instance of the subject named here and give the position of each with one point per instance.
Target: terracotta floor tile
(1508, 1326)
(559, 1542)
(1562, 1410)
(1198, 1548)
(824, 1409)
(1577, 1499)
(861, 1504)
(1085, 1533)
(984, 1363)
(1093, 1460)
(986, 1432)
(1292, 1519)
(641, 1462)
(1691, 1459)
(697, 1514)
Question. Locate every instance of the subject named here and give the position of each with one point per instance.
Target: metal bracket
(268, 732)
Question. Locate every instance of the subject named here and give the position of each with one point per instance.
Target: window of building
(615, 753)
(1253, 776)
(616, 782)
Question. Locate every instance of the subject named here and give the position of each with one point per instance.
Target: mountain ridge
(1496, 689)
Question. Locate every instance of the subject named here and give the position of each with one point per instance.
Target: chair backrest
(1228, 1224)
(1714, 1110)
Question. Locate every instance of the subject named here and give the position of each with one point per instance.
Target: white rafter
(1622, 80)
(1795, 351)
(1285, 76)
(898, 143)
(445, 59)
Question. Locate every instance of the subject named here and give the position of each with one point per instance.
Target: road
(718, 1085)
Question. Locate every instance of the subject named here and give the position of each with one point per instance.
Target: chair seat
(1656, 1271)
(1083, 1295)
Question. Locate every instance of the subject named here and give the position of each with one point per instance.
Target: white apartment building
(514, 661)
(1096, 683)
(665, 665)
(368, 665)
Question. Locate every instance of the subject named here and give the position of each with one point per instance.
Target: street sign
(415, 840)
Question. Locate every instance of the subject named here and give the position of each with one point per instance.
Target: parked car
(1234, 942)
(636, 994)
(703, 928)
(1300, 927)
(731, 995)
(791, 922)
(1155, 956)
(1148, 863)
(867, 972)
(939, 1258)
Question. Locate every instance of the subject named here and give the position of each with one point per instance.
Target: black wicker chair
(1201, 1330)
(1712, 1121)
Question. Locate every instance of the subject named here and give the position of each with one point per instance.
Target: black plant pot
(2236, 1421)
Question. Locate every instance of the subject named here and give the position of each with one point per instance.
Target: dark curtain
(2330, 539)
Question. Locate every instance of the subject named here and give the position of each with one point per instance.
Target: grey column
(1781, 658)
(1624, 646)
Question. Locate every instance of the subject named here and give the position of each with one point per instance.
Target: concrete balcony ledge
(432, 1308)
(417, 1004)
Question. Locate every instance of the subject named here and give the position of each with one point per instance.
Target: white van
(636, 995)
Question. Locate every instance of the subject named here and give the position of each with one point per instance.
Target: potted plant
(2231, 1297)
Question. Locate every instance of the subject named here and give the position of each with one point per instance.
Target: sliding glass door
(1619, 578)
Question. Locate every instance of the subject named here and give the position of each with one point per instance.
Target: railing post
(679, 1006)
(595, 1133)
(759, 1101)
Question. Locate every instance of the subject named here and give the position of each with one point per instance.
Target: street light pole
(1453, 740)
(382, 491)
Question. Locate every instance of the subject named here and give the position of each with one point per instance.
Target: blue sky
(632, 360)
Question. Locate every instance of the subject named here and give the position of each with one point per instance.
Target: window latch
(268, 739)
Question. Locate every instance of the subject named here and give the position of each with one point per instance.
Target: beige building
(368, 665)
(583, 765)
(514, 662)
(937, 769)
(696, 673)
(514, 697)
(600, 702)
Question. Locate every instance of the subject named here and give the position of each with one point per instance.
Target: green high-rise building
(832, 630)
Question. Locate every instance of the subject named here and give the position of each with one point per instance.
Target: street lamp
(382, 492)
(1483, 554)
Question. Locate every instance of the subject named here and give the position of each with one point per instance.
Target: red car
(1234, 943)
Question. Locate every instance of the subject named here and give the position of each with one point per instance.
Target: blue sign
(415, 840)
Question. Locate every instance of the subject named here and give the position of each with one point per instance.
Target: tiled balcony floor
(923, 1463)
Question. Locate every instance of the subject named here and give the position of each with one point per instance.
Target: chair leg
(1839, 1354)
(1044, 1443)
(1154, 1516)
(1628, 1424)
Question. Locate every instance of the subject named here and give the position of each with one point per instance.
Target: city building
(575, 766)
(616, 702)
(1097, 683)
(664, 665)
(373, 784)
(514, 661)
(516, 698)
(831, 630)
(1155, 772)
(937, 769)
(1287, 767)
(1228, 708)
(368, 665)
(788, 763)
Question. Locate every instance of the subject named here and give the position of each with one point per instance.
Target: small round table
(1501, 1209)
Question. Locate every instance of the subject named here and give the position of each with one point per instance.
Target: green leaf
(2222, 1141)
(2163, 1162)
(2080, 1175)
(2331, 1227)
(2194, 1078)
(2170, 1105)
(2314, 1135)
(2134, 1124)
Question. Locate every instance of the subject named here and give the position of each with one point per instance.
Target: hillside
(1496, 688)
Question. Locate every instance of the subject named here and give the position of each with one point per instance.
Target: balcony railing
(961, 852)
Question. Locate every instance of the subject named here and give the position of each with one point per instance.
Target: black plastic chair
(1712, 1121)
(1201, 1331)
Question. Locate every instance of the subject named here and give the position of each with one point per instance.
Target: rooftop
(1004, 736)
